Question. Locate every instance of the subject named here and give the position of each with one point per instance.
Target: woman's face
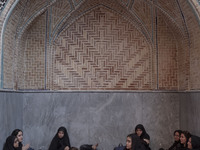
(139, 132)
(189, 143)
(176, 136)
(128, 143)
(16, 143)
(60, 134)
(20, 136)
(183, 139)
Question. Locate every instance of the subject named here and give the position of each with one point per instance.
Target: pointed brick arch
(101, 51)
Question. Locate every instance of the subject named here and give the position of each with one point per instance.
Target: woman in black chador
(60, 140)
(185, 135)
(133, 142)
(11, 143)
(19, 135)
(194, 143)
(177, 144)
(144, 137)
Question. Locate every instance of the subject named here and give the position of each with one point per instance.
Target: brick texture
(34, 61)
(101, 45)
(101, 51)
(167, 54)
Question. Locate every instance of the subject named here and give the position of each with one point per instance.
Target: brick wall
(193, 26)
(167, 56)
(34, 53)
(101, 51)
(101, 45)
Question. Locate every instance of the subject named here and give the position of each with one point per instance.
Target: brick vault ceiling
(28, 10)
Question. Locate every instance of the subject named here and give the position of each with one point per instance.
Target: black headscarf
(144, 133)
(176, 144)
(9, 143)
(60, 144)
(143, 136)
(135, 143)
(187, 136)
(195, 140)
(15, 133)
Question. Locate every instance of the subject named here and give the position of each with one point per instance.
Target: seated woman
(88, 147)
(185, 135)
(144, 137)
(11, 143)
(194, 143)
(177, 143)
(60, 140)
(133, 142)
(19, 135)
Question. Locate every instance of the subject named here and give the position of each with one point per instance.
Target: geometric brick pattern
(145, 13)
(101, 51)
(58, 10)
(194, 35)
(125, 2)
(76, 2)
(104, 64)
(34, 52)
(167, 57)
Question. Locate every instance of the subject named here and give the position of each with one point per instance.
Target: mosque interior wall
(99, 68)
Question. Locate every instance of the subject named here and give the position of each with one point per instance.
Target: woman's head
(129, 142)
(194, 142)
(19, 134)
(140, 130)
(177, 135)
(11, 143)
(185, 135)
(132, 142)
(62, 131)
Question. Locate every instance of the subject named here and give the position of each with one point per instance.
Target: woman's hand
(147, 141)
(94, 147)
(26, 147)
(66, 148)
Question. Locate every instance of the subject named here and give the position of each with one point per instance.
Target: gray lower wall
(190, 112)
(11, 111)
(104, 118)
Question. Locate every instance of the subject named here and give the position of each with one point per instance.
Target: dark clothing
(195, 140)
(9, 143)
(15, 133)
(175, 146)
(86, 147)
(183, 148)
(143, 136)
(60, 144)
(136, 143)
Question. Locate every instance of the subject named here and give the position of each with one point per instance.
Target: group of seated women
(139, 140)
(183, 140)
(59, 142)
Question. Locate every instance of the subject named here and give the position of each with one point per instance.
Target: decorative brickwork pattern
(35, 54)
(20, 64)
(194, 34)
(90, 51)
(101, 51)
(9, 46)
(145, 14)
(125, 2)
(30, 9)
(58, 11)
(172, 9)
(77, 2)
(167, 57)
